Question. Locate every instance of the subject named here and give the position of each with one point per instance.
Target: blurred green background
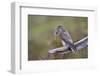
(41, 35)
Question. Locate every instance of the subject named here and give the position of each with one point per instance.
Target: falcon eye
(56, 33)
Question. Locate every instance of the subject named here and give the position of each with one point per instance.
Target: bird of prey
(65, 38)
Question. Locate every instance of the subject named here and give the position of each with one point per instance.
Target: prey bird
(65, 38)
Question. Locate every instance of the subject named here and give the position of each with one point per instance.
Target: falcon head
(59, 30)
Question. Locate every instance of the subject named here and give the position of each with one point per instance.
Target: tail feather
(71, 45)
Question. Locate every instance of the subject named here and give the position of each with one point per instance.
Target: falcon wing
(67, 37)
(69, 44)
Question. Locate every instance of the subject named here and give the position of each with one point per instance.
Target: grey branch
(83, 43)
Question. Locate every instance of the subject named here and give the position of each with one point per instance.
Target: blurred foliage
(41, 35)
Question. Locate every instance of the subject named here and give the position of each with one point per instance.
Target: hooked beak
(55, 33)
